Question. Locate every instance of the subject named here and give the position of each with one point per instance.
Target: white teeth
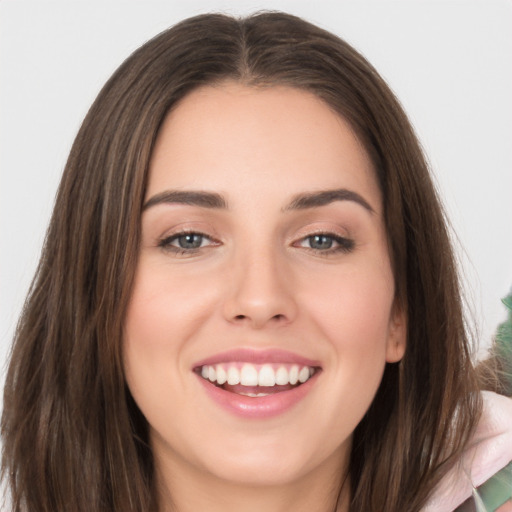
(267, 377)
(233, 376)
(282, 376)
(254, 375)
(294, 374)
(222, 376)
(249, 375)
(304, 374)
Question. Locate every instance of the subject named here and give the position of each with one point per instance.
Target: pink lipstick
(257, 384)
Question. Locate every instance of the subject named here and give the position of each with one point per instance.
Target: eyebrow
(299, 202)
(188, 197)
(325, 197)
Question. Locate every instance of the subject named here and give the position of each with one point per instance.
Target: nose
(261, 292)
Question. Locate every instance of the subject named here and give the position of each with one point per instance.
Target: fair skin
(268, 274)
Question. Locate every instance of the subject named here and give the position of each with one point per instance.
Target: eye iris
(320, 242)
(190, 241)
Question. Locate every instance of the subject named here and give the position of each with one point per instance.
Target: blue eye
(189, 241)
(327, 243)
(185, 242)
(320, 242)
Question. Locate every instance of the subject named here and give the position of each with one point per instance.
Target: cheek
(166, 313)
(352, 311)
(354, 307)
(166, 310)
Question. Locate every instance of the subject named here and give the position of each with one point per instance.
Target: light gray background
(450, 63)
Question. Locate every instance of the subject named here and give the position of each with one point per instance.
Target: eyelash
(344, 245)
(166, 242)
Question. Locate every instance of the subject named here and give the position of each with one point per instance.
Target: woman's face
(263, 259)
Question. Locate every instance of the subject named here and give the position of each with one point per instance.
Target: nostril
(275, 318)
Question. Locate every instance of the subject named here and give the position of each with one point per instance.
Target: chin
(259, 471)
(280, 460)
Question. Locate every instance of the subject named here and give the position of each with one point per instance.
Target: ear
(397, 334)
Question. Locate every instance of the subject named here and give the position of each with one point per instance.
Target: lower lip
(259, 407)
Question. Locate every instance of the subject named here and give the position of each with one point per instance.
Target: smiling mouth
(255, 380)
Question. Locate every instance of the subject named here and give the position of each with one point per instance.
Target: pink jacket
(489, 452)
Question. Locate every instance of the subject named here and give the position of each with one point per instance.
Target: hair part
(73, 437)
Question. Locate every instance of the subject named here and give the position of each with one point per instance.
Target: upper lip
(247, 355)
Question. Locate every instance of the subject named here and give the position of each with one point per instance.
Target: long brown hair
(73, 439)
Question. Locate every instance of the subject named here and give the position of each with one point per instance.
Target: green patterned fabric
(503, 346)
(498, 489)
(495, 492)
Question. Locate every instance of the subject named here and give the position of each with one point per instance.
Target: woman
(247, 296)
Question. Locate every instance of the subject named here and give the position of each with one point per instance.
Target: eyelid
(164, 242)
(344, 243)
(172, 228)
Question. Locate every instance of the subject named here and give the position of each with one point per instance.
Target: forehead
(243, 141)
